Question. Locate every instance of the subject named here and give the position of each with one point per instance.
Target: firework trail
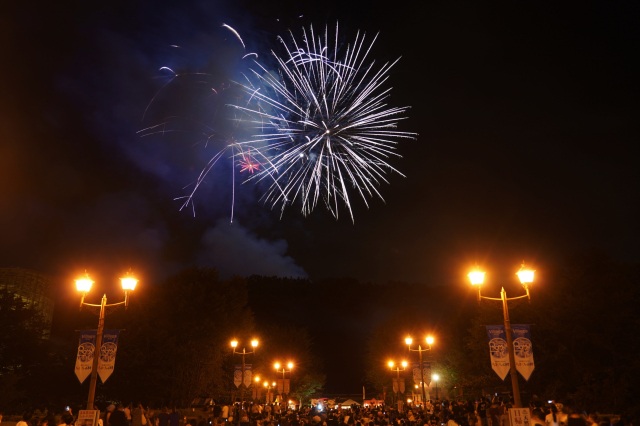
(323, 130)
(214, 132)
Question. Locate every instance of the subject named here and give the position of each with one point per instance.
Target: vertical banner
(84, 359)
(283, 386)
(426, 373)
(107, 360)
(498, 351)
(416, 373)
(247, 375)
(523, 349)
(237, 375)
(398, 385)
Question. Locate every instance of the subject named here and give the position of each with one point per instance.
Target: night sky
(526, 115)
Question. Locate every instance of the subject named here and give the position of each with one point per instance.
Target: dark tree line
(174, 344)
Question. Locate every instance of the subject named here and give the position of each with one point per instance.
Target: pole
(424, 395)
(398, 386)
(512, 357)
(242, 385)
(96, 355)
(283, 372)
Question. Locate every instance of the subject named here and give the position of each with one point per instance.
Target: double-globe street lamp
(269, 386)
(398, 387)
(281, 369)
(429, 340)
(83, 285)
(243, 353)
(526, 278)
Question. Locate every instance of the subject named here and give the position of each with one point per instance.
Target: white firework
(323, 127)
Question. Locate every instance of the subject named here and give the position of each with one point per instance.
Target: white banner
(237, 375)
(84, 359)
(498, 351)
(426, 373)
(523, 349)
(108, 349)
(248, 378)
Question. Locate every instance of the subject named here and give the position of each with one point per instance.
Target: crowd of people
(479, 412)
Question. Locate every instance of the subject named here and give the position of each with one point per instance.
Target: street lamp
(83, 285)
(281, 369)
(244, 353)
(256, 388)
(435, 377)
(269, 387)
(396, 381)
(525, 276)
(420, 350)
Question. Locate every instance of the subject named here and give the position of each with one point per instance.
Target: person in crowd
(538, 417)
(127, 412)
(551, 419)
(163, 417)
(495, 412)
(174, 417)
(118, 417)
(66, 419)
(138, 415)
(481, 410)
(593, 420)
(107, 413)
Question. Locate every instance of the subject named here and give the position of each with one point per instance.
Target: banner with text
(84, 359)
(108, 349)
(523, 349)
(498, 350)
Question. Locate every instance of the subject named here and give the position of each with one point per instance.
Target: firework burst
(322, 123)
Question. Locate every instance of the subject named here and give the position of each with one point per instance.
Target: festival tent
(349, 403)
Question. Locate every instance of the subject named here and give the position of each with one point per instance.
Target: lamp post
(83, 285)
(256, 388)
(435, 378)
(396, 385)
(269, 387)
(526, 277)
(281, 369)
(429, 340)
(244, 353)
